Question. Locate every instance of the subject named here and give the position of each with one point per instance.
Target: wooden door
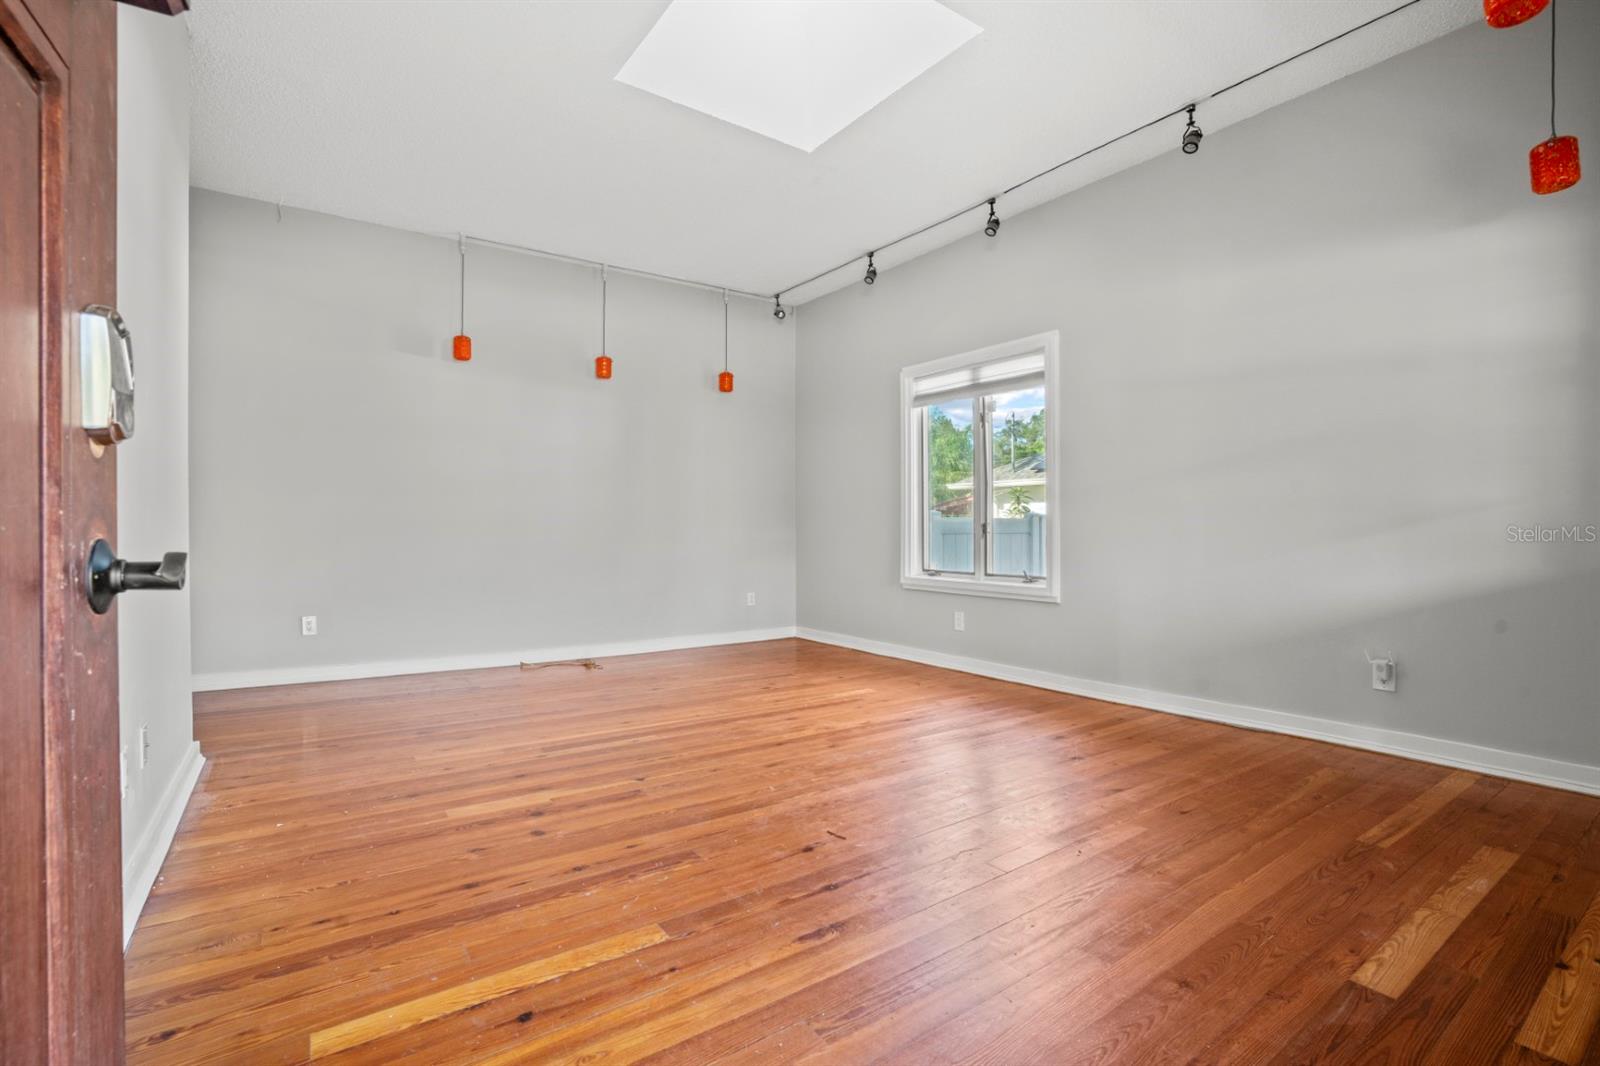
(60, 815)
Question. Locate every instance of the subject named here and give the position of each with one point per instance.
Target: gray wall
(344, 466)
(153, 466)
(1310, 375)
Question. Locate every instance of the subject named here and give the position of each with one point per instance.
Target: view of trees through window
(978, 515)
(1017, 440)
(950, 458)
(1018, 436)
(1018, 482)
(947, 536)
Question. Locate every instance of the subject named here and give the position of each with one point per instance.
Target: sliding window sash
(925, 465)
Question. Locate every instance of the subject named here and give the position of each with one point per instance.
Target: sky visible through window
(960, 415)
(1022, 404)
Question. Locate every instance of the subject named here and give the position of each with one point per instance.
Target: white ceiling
(503, 119)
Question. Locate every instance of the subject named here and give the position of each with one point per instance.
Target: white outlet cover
(1378, 680)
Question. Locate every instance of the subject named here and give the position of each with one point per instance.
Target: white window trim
(978, 583)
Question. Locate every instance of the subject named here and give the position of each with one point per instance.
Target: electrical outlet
(122, 766)
(749, 599)
(308, 625)
(144, 746)
(961, 621)
(1383, 674)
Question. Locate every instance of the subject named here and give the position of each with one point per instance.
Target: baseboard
(299, 675)
(1538, 770)
(142, 865)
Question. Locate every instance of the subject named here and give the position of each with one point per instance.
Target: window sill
(1041, 592)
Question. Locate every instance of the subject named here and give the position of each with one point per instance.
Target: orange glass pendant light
(1553, 164)
(461, 344)
(1502, 14)
(725, 379)
(602, 362)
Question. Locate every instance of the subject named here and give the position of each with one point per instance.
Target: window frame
(913, 487)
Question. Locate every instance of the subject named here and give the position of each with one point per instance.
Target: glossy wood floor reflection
(788, 852)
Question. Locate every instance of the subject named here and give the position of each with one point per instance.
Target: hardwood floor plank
(873, 1007)
(1410, 1028)
(1562, 1021)
(1398, 960)
(1043, 1004)
(787, 852)
(475, 993)
(1395, 827)
(788, 1044)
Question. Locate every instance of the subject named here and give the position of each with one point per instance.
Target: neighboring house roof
(1028, 470)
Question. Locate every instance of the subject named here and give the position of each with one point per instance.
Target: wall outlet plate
(749, 599)
(144, 746)
(1383, 675)
(961, 621)
(308, 625)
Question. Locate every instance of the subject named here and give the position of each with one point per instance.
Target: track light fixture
(872, 271)
(1191, 135)
(992, 226)
(777, 309)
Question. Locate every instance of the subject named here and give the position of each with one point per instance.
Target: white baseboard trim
(142, 865)
(299, 675)
(1536, 769)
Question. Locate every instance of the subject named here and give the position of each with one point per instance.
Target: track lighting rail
(1187, 108)
(987, 202)
(613, 268)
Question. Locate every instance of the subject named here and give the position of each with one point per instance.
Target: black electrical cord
(1552, 69)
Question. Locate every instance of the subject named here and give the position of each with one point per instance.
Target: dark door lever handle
(109, 575)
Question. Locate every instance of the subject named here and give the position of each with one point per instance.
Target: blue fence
(1018, 544)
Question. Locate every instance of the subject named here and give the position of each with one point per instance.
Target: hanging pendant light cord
(463, 286)
(602, 310)
(724, 331)
(1553, 6)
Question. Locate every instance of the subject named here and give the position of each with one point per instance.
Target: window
(978, 435)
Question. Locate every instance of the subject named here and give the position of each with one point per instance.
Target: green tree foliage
(949, 454)
(1016, 439)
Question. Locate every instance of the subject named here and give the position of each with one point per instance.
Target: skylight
(798, 71)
